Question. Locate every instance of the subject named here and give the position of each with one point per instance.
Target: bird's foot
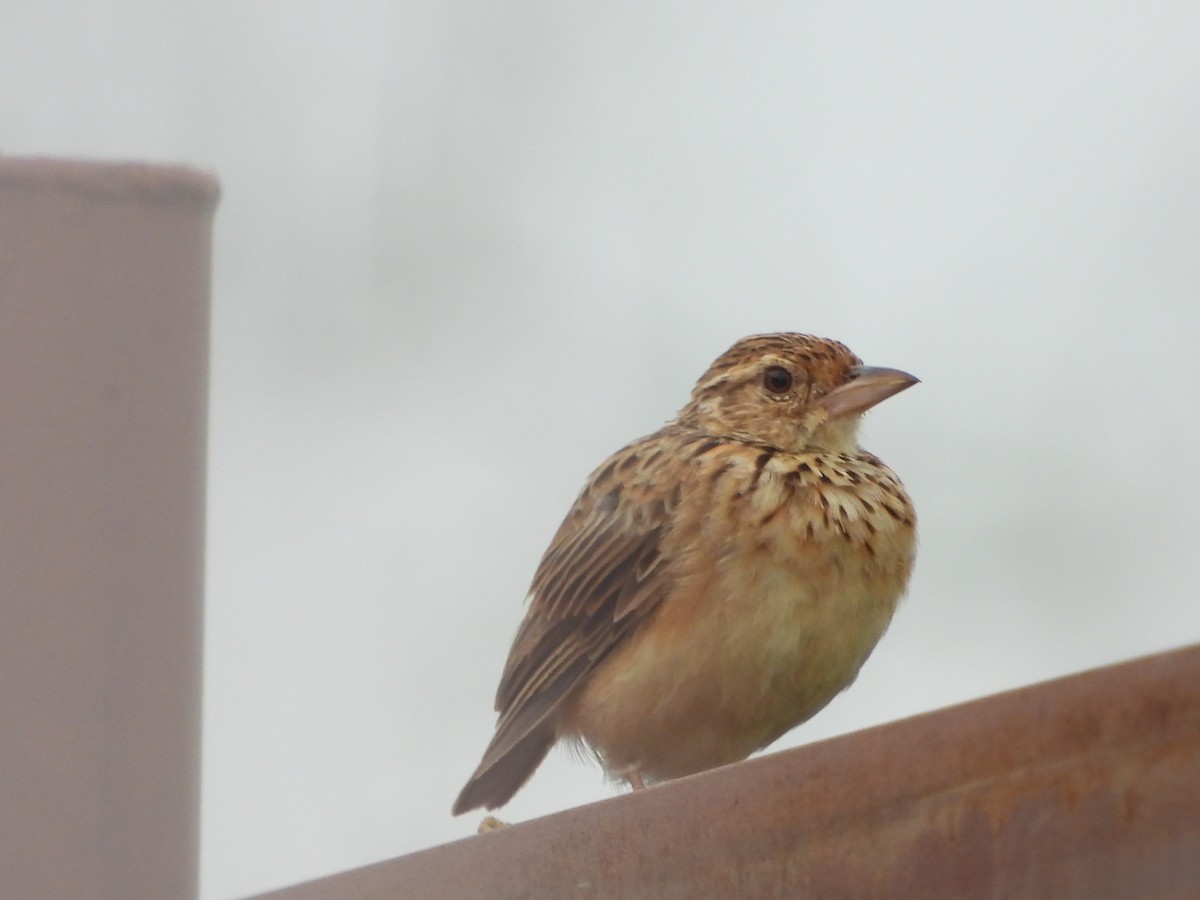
(491, 823)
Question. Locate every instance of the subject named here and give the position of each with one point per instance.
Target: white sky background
(465, 250)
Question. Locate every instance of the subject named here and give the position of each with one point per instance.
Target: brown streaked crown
(745, 394)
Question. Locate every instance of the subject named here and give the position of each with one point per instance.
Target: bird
(714, 584)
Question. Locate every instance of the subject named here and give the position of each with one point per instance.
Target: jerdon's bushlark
(717, 582)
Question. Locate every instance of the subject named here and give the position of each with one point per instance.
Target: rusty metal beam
(1083, 788)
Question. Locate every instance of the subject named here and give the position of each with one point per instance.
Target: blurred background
(465, 250)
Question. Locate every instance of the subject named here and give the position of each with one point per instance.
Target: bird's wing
(600, 577)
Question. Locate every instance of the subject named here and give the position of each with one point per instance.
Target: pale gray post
(104, 283)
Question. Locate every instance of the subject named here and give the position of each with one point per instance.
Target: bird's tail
(504, 770)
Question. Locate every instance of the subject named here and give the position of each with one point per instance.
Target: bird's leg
(635, 780)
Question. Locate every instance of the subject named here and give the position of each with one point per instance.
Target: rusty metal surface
(1083, 788)
(104, 274)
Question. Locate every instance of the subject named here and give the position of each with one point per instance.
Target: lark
(716, 583)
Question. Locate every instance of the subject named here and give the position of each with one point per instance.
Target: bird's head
(792, 391)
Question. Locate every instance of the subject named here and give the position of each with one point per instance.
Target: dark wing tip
(496, 780)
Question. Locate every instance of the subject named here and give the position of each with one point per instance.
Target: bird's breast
(785, 571)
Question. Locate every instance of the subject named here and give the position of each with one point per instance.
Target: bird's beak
(870, 385)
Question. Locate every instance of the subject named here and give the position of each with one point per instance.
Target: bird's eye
(777, 380)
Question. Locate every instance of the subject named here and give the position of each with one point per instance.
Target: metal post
(1084, 788)
(104, 282)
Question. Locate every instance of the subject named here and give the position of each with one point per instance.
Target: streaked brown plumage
(717, 582)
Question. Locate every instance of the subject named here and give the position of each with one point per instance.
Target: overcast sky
(466, 249)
